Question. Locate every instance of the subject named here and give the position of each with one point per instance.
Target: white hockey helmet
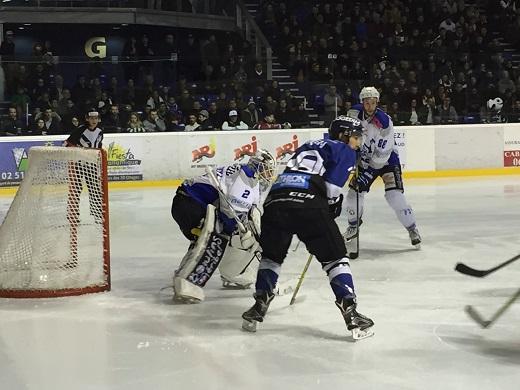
(368, 92)
(264, 164)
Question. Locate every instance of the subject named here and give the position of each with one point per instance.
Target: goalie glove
(335, 206)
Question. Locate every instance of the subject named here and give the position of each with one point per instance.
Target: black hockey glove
(335, 208)
(365, 178)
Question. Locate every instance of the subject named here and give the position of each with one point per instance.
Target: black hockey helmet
(347, 125)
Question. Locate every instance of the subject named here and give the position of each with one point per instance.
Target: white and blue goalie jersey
(315, 174)
(238, 183)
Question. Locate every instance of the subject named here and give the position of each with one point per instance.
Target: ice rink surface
(134, 337)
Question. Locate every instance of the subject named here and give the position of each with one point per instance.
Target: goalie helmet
(347, 125)
(368, 92)
(264, 164)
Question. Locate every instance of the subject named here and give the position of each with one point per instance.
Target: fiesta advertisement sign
(123, 165)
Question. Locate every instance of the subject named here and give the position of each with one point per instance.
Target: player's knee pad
(203, 257)
(239, 265)
(393, 178)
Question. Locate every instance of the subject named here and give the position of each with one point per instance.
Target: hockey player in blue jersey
(379, 157)
(206, 208)
(304, 200)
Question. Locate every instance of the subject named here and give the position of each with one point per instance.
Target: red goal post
(54, 240)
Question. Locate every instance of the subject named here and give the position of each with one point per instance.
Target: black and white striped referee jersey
(86, 138)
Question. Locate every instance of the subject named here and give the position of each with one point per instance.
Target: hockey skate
(415, 238)
(229, 285)
(257, 312)
(357, 324)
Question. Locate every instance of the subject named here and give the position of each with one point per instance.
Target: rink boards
(162, 159)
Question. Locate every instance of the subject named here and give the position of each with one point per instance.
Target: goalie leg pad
(238, 265)
(203, 257)
(186, 291)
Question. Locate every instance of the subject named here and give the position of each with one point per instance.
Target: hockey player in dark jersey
(305, 200)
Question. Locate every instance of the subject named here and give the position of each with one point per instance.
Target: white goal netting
(54, 239)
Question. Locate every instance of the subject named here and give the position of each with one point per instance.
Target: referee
(88, 135)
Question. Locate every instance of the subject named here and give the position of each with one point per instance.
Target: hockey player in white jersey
(379, 157)
(219, 213)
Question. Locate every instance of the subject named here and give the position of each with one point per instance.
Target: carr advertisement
(14, 160)
(511, 147)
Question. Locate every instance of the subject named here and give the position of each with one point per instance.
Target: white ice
(135, 338)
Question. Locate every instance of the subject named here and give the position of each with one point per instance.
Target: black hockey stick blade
(475, 316)
(466, 270)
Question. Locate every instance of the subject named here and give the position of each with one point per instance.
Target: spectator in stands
(204, 123)
(154, 99)
(175, 123)
(251, 115)
(447, 112)
(269, 122)
(21, 100)
(283, 113)
(134, 124)
(112, 122)
(215, 116)
(12, 125)
(153, 123)
(233, 123)
(411, 116)
(192, 123)
(332, 102)
(299, 118)
(51, 120)
(514, 115)
(39, 128)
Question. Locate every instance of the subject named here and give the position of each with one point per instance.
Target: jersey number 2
(246, 194)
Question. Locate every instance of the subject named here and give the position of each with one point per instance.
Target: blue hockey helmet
(346, 125)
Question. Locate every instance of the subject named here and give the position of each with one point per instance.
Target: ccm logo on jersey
(301, 195)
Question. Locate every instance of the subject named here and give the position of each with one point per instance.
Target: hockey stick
(300, 281)
(464, 269)
(487, 323)
(211, 175)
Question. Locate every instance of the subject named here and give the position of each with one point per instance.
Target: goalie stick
(472, 312)
(466, 270)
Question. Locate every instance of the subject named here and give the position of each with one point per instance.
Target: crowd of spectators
(434, 62)
(215, 83)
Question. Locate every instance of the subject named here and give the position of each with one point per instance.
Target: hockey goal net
(54, 240)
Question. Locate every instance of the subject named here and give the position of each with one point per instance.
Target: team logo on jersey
(292, 180)
(207, 151)
(246, 150)
(287, 149)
